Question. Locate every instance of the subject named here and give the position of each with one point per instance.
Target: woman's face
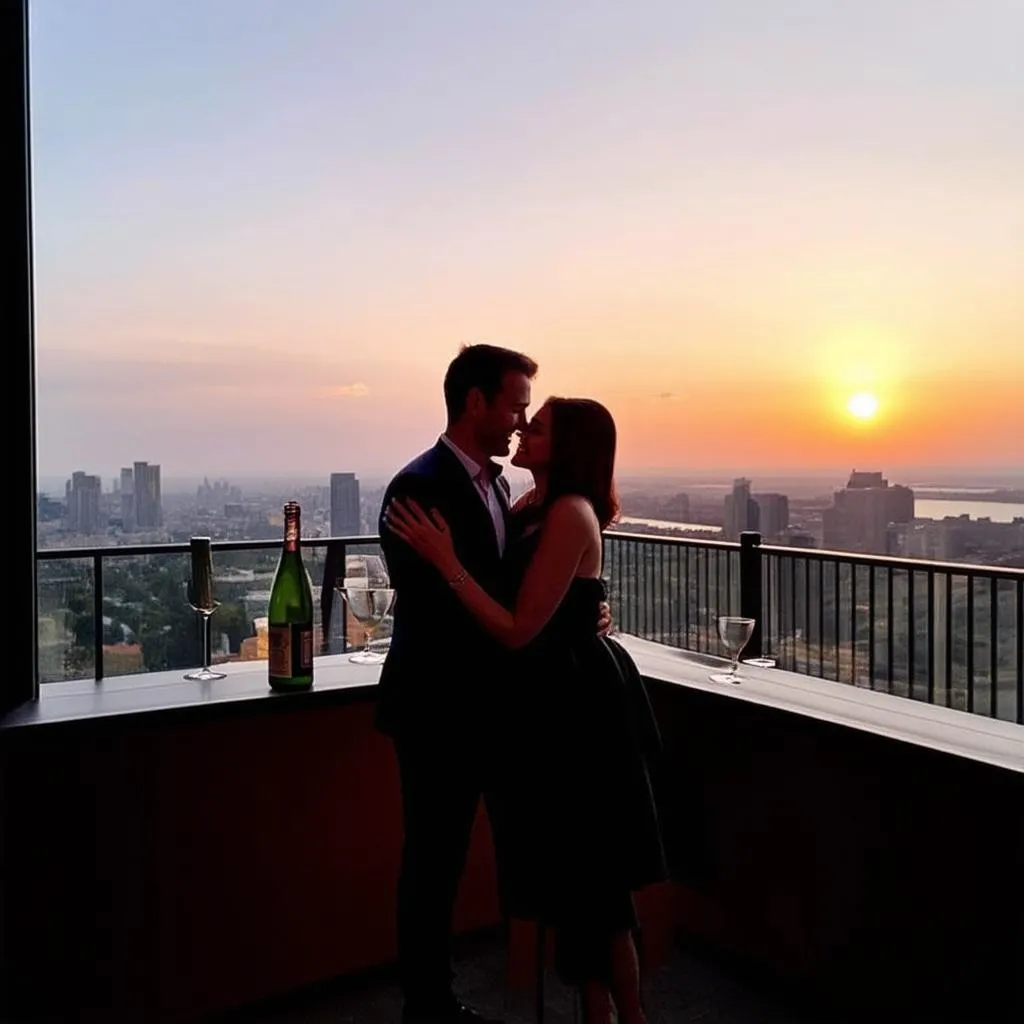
(534, 451)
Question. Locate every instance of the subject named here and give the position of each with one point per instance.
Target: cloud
(356, 390)
(666, 396)
(176, 373)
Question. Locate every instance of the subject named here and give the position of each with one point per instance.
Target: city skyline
(868, 513)
(962, 478)
(259, 239)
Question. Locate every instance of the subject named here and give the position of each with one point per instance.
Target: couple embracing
(501, 683)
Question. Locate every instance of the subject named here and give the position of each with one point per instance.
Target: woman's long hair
(582, 462)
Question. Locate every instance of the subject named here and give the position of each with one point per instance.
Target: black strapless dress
(574, 818)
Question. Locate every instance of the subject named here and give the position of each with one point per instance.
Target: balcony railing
(944, 633)
(78, 586)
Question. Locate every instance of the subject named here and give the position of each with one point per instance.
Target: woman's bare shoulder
(572, 510)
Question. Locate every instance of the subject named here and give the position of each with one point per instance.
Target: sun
(863, 405)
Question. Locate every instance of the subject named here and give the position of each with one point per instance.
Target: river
(664, 524)
(997, 511)
(924, 508)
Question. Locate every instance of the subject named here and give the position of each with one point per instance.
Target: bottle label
(290, 650)
(305, 651)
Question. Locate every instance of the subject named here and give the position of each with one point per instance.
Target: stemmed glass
(735, 633)
(367, 591)
(202, 603)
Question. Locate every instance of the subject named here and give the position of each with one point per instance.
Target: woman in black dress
(573, 816)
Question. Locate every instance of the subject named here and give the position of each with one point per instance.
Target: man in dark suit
(433, 693)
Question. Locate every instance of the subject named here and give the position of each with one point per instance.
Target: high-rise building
(148, 510)
(346, 519)
(741, 511)
(774, 515)
(127, 500)
(214, 496)
(863, 514)
(48, 510)
(82, 494)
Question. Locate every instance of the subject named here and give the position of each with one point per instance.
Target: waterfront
(997, 511)
(924, 508)
(663, 524)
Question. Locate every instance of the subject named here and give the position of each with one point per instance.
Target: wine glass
(201, 601)
(735, 633)
(367, 592)
(369, 606)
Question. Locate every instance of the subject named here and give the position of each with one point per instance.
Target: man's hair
(483, 367)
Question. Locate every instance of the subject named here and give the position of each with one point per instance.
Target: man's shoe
(458, 1013)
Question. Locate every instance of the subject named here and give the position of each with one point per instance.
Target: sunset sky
(263, 228)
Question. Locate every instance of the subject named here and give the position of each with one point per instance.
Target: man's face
(494, 424)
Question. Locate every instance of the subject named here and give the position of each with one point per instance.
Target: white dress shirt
(486, 487)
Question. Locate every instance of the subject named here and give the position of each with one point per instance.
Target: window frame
(19, 682)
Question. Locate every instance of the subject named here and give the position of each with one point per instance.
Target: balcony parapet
(946, 633)
(339, 681)
(832, 826)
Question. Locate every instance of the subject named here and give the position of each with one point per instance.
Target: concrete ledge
(987, 740)
(338, 680)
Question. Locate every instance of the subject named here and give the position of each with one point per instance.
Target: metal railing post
(334, 567)
(342, 551)
(750, 589)
(97, 616)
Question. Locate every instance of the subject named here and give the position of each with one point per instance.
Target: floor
(687, 989)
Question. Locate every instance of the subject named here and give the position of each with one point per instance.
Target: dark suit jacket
(437, 666)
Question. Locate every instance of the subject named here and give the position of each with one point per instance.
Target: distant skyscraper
(214, 496)
(346, 520)
(148, 511)
(82, 493)
(127, 500)
(741, 511)
(863, 512)
(774, 512)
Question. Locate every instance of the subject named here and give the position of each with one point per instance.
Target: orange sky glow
(720, 223)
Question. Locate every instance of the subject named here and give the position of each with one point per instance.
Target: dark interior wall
(162, 868)
(156, 871)
(881, 874)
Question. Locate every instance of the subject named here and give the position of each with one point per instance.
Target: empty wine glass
(735, 633)
(366, 590)
(369, 607)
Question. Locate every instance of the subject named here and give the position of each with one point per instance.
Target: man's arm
(405, 567)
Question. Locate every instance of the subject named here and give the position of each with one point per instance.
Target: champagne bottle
(290, 614)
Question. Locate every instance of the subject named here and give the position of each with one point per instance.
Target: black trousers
(443, 780)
